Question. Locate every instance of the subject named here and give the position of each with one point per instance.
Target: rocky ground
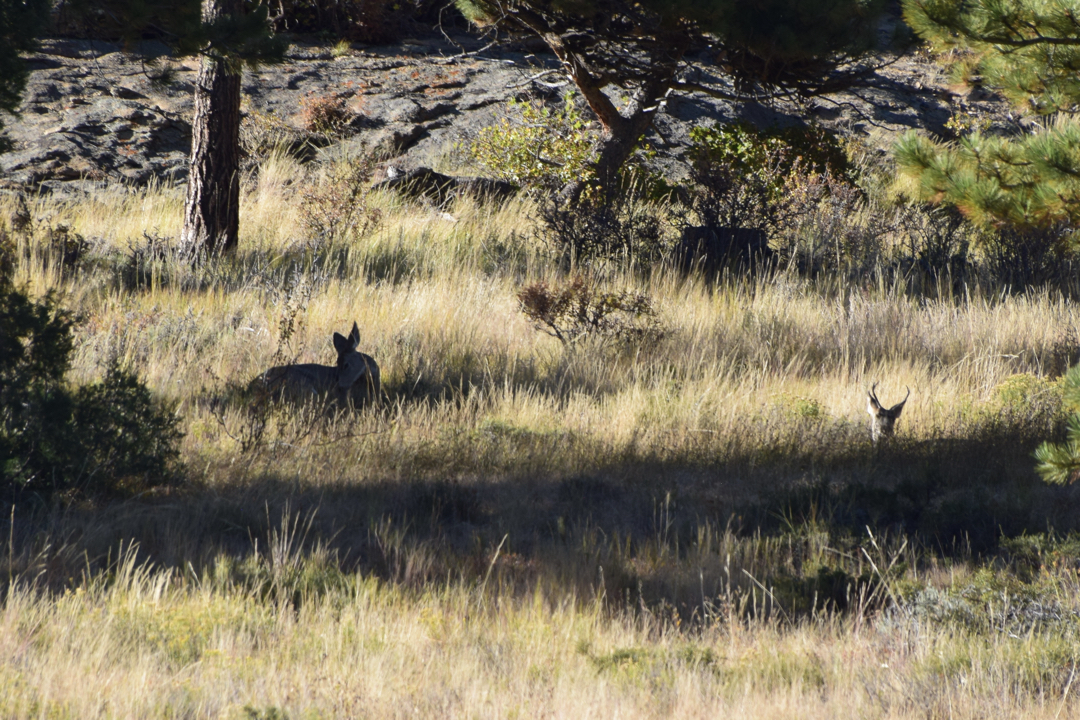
(94, 115)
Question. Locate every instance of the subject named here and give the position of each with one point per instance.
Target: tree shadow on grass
(649, 531)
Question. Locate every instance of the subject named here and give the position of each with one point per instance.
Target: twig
(537, 76)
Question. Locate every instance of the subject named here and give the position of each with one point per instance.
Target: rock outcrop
(94, 115)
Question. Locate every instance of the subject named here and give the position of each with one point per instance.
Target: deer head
(882, 419)
(350, 363)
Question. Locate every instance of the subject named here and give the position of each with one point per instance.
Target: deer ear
(354, 336)
(872, 405)
(341, 344)
(899, 407)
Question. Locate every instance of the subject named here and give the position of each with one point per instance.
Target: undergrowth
(613, 490)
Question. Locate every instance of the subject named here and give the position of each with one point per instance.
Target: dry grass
(523, 529)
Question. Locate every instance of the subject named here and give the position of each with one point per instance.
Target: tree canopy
(1029, 50)
(184, 26)
(735, 49)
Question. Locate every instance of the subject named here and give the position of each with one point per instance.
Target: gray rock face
(93, 115)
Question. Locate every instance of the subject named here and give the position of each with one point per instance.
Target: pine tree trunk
(212, 211)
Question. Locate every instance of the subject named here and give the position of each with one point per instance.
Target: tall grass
(699, 526)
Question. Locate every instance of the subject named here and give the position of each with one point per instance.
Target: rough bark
(621, 131)
(212, 210)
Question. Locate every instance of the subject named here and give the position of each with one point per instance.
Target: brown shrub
(578, 309)
(326, 114)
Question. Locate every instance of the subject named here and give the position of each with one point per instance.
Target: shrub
(102, 438)
(623, 229)
(261, 133)
(750, 149)
(337, 207)
(549, 147)
(578, 309)
(765, 181)
(326, 114)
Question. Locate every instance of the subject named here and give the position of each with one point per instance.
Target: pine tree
(227, 35)
(21, 21)
(741, 50)
(1029, 50)
(231, 38)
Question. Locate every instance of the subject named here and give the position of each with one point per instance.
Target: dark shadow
(638, 524)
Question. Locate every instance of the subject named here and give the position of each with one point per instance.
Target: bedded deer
(882, 419)
(354, 381)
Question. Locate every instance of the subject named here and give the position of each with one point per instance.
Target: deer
(353, 382)
(882, 419)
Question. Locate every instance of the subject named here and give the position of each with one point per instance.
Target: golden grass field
(698, 526)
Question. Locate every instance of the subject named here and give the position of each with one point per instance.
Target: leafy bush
(337, 207)
(765, 181)
(543, 147)
(750, 149)
(578, 309)
(623, 229)
(103, 438)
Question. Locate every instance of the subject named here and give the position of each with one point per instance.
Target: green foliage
(748, 148)
(1030, 51)
(1029, 182)
(236, 40)
(775, 48)
(786, 45)
(1027, 49)
(21, 21)
(543, 146)
(1059, 463)
(104, 437)
(774, 182)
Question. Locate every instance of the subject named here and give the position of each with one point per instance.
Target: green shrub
(772, 182)
(103, 438)
(749, 149)
(543, 146)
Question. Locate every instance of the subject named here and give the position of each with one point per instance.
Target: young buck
(353, 381)
(883, 420)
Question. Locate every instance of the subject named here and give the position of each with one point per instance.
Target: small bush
(336, 207)
(261, 133)
(102, 438)
(578, 309)
(543, 147)
(623, 229)
(326, 114)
